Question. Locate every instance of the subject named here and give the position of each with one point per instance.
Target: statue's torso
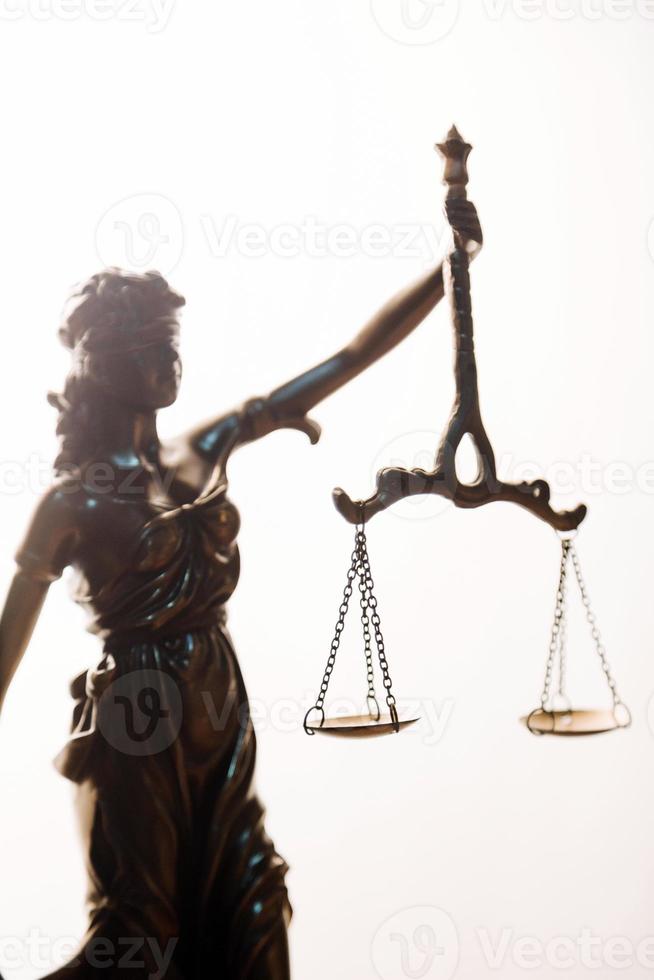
(146, 562)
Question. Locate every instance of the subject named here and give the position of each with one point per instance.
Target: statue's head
(123, 330)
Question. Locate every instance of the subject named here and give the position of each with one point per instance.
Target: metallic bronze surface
(162, 750)
(576, 721)
(360, 726)
(394, 484)
(556, 715)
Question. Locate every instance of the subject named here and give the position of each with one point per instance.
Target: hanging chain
(557, 647)
(336, 641)
(376, 624)
(557, 636)
(371, 697)
(359, 567)
(562, 653)
(595, 633)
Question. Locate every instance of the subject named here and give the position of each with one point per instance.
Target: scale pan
(359, 726)
(575, 721)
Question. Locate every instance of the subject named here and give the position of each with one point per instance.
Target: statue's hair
(110, 303)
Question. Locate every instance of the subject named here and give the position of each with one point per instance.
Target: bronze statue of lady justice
(178, 859)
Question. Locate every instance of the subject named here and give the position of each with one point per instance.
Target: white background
(271, 113)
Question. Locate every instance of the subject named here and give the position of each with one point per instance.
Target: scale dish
(576, 721)
(360, 726)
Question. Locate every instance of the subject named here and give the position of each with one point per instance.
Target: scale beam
(396, 483)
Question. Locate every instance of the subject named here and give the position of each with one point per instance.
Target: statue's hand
(260, 418)
(462, 216)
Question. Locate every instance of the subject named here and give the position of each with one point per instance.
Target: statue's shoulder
(48, 544)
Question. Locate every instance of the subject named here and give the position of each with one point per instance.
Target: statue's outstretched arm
(288, 405)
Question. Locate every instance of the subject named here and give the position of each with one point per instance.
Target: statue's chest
(204, 531)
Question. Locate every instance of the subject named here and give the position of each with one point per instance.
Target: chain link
(562, 653)
(359, 568)
(365, 596)
(557, 647)
(557, 635)
(336, 642)
(376, 624)
(595, 633)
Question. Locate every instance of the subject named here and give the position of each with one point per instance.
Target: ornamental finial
(455, 152)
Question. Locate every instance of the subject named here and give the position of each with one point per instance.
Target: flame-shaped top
(455, 152)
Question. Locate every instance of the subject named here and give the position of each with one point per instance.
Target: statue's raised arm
(288, 406)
